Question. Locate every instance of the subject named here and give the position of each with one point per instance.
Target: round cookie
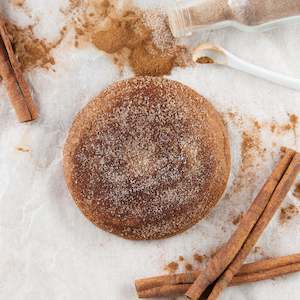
(147, 158)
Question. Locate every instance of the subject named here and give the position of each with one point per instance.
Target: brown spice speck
(172, 267)
(259, 250)
(273, 127)
(199, 258)
(231, 115)
(188, 267)
(287, 213)
(181, 258)
(204, 60)
(257, 125)
(236, 220)
(22, 149)
(286, 127)
(250, 149)
(293, 120)
(296, 191)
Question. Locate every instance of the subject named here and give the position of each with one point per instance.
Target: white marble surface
(48, 250)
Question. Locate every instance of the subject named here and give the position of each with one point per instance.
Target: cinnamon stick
(16, 86)
(266, 274)
(217, 264)
(270, 263)
(278, 196)
(247, 269)
(180, 289)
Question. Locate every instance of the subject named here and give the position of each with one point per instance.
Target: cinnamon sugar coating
(147, 158)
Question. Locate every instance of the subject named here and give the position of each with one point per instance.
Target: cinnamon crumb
(287, 213)
(231, 115)
(286, 127)
(296, 191)
(257, 124)
(181, 258)
(204, 60)
(172, 267)
(257, 249)
(273, 127)
(293, 120)
(236, 220)
(188, 267)
(22, 149)
(199, 258)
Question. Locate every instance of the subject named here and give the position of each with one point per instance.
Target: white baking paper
(49, 250)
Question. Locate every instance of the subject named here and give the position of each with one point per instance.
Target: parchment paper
(48, 250)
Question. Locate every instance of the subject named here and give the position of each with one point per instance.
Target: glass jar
(189, 16)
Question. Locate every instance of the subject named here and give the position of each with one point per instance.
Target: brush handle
(241, 65)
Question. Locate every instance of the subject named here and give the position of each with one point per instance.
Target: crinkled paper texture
(49, 250)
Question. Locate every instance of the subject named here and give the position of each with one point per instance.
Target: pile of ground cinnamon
(141, 39)
(31, 51)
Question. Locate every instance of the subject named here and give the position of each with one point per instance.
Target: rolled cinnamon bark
(220, 261)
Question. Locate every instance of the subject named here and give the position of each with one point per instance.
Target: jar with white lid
(188, 16)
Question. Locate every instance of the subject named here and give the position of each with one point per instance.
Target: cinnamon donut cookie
(147, 158)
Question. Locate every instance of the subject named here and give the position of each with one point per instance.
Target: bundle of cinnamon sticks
(226, 267)
(12, 76)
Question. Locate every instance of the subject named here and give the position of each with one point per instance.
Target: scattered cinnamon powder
(141, 39)
(31, 51)
(188, 267)
(181, 258)
(251, 153)
(287, 213)
(280, 129)
(172, 267)
(296, 192)
(204, 60)
(251, 149)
